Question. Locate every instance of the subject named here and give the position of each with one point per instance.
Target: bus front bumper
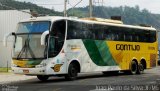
(29, 71)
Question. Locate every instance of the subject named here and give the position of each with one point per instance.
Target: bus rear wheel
(140, 68)
(72, 72)
(42, 77)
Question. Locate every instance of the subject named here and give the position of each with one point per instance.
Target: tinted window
(80, 30)
(57, 37)
(33, 27)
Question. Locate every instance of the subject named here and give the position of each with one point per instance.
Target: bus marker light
(42, 71)
(62, 51)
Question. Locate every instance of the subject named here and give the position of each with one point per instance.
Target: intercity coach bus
(64, 46)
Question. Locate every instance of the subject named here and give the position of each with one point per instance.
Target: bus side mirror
(6, 37)
(43, 37)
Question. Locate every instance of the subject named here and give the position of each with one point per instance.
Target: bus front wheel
(72, 72)
(42, 77)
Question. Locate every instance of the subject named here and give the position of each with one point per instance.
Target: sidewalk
(10, 77)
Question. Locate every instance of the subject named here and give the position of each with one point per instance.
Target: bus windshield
(27, 40)
(33, 27)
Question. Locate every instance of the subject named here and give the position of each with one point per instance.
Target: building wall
(8, 23)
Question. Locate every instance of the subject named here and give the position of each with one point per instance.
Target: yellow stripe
(20, 63)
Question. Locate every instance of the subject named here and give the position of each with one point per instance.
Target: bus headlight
(13, 65)
(41, 65)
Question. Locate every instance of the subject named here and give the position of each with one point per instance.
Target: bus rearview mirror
(43, 37)
(6, 37)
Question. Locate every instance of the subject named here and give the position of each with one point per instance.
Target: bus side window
(112, 36)
(108, 36)
(72, 30)
(120, 37)
(152, 36)
(101, 32)
(147, 36)
(128, 37)
(92, 30)
(135, 38)
(108, 33)
(85, 34)
(116, 37)
(143, 36)
(103, 35)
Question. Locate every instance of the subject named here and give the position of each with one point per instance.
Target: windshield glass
(33, 27)
(28, 46)
(27, 40)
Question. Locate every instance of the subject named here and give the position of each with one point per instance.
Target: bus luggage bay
(63, 46)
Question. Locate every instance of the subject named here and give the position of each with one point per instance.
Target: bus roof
(102, 21)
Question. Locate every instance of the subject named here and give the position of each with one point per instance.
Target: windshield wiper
(25, 49)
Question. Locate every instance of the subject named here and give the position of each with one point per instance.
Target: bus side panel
(121, 57)
(100, 57)
(75, 51)
(90, 54)
(124, 52)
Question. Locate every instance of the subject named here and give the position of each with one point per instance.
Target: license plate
(25, 71)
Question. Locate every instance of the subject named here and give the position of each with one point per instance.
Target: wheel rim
(141, 68)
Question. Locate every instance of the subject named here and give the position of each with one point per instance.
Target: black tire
(72, 72)
(140, 69)
(43, 77)
(133, 69)
(158, 62)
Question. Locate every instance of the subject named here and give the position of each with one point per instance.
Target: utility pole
(90, 8)
(65, 8)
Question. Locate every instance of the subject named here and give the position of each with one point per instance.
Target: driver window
(51, 46)
(57, 37)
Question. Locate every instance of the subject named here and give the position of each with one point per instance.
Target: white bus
(62, 46)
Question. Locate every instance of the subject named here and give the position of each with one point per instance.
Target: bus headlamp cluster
(13, 65)
(41, 65)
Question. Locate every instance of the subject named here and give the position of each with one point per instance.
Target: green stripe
(34, 62)
(99, 52)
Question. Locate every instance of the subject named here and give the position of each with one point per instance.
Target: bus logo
(127, 47)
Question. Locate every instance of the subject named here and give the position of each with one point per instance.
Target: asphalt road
(148, 81)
